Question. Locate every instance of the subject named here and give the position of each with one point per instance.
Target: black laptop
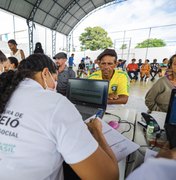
(170, 122)
(89, 96)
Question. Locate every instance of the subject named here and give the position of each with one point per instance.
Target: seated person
(139, 64)
(91, 67)
(132, 68)
(81, 69)
(154, 69)
(158, 96)
(121, 65)
(118, 80)
(163, 67)
(145, 70)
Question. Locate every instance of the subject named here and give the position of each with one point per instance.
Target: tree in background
(95, 38)
(124, 46)
(151, 43)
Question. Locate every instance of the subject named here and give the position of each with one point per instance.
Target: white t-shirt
(155, 169)
(38, 130)
(17, 55)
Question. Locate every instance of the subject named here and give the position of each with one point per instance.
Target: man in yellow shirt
(118, 80)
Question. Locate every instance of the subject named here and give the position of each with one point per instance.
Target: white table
(128, 115)
(125, 114)
(139, 138)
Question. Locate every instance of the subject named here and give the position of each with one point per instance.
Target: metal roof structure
(58, 15)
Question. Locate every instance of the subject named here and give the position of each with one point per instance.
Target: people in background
(2, 60)
(96, 64)
(163, 67)
(71, 61)
(41, 128)
(91, 68)
(118, 80)
(121, 65)
(81, 69)
(145, 70)
(15, 52)
(64, 73)
(38, 48)
(10, 64)
(132, 68)
(158, 96)
(139, 65)
(155, 67)
(87, 62)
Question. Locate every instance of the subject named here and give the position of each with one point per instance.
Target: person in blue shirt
(70, 61)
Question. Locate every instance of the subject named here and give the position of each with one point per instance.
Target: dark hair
(165, 59)
(2, 57)
(27, 69)
(14, 61)
(12, 41)
(171, 60)
(38, 48)
(108, 52)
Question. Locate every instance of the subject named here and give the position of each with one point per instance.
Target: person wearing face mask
(40, 128)
(64, 73)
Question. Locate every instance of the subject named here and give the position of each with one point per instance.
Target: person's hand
(113, 96)
(94, 126)
(165, 152)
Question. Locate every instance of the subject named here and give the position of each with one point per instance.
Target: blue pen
(99, 113)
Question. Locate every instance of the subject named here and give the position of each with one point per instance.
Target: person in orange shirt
(145, 70)
(132, 68)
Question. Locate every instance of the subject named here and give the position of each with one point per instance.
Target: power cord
(119, 118)
(122, 121)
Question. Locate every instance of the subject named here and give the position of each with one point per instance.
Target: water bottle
(150, 132)
(150, 128)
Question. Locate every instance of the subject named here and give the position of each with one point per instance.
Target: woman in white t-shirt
(40, 128)
(15, 52)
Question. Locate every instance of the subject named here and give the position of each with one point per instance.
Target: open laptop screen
(170, 123)
(88, 92)
(171, 114)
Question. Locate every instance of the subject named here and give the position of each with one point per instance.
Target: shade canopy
(59, 15)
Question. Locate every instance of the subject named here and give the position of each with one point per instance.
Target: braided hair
(26, 69)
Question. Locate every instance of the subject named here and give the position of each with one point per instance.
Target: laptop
(88, 95)
(170, 122)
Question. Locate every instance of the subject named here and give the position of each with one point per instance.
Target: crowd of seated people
(146, 70)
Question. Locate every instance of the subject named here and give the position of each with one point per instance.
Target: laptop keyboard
(85, 111)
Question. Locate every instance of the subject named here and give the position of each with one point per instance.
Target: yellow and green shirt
(119, 83)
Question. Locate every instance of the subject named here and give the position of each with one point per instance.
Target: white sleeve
(154, 169)
(72, 137)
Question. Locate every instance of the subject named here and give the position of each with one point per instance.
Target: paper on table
(120, 145)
